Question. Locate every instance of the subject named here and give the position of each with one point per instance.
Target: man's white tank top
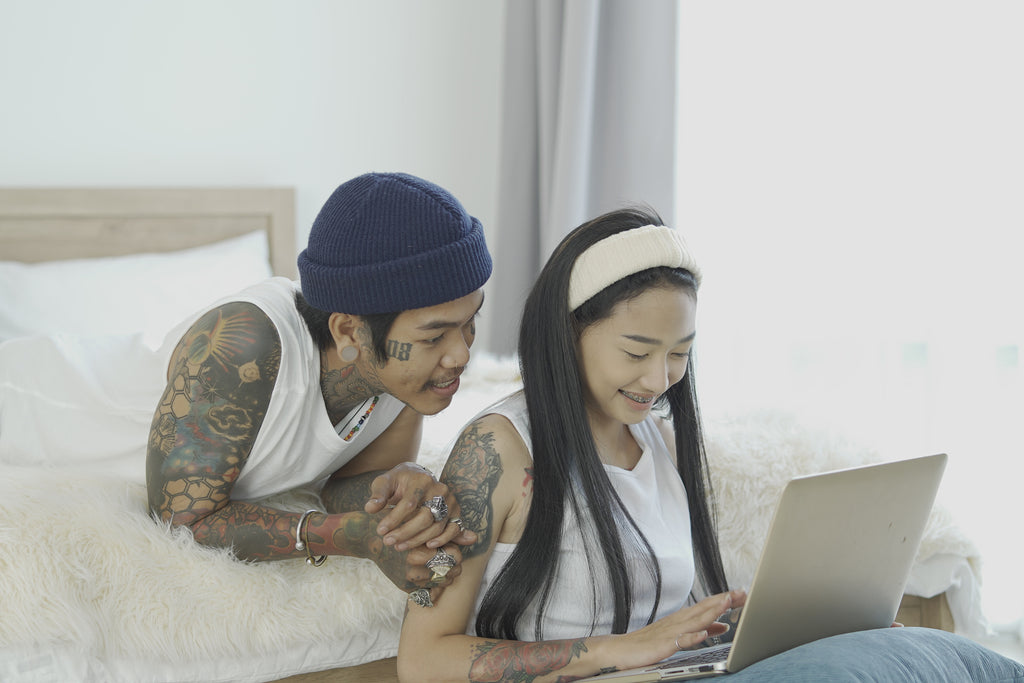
(297, 445)
(656, 499)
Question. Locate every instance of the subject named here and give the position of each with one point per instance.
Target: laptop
(836, 560)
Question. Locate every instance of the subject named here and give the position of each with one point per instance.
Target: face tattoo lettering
(399, 350)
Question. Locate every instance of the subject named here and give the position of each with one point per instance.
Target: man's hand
(405, 489)
(409, 570)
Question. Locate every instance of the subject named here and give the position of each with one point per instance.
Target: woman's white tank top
(656, 499)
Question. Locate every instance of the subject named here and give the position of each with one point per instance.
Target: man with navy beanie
(324, 383)
(392, 242)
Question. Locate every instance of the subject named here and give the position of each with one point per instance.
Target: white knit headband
(625, 253)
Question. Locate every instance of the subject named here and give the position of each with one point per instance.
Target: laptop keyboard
(708, 655)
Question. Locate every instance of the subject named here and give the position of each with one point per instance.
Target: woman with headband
(581, 495)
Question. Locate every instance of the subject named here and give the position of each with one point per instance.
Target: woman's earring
(349, 354)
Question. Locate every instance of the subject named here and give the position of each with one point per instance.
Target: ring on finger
(678, 646)
(457, 521)
(438, 508)
(421, 596)
(441, 563)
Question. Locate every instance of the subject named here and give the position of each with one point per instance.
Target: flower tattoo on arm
(516, 662)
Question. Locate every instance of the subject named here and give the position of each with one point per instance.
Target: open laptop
(836, 560)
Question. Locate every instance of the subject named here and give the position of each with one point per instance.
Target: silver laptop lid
(837, 555)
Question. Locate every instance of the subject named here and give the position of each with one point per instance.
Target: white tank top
(654, 495)
(297, 445)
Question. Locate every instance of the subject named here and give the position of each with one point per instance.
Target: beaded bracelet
(302, 542)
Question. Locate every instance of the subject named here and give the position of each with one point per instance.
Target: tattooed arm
(489, 472)
(494, 503)
(220, 379)
(219, 382)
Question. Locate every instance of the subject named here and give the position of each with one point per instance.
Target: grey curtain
(588, 125)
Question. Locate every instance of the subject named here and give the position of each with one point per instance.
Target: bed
(94, 590)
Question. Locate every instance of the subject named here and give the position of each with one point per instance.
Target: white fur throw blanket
(92, 589)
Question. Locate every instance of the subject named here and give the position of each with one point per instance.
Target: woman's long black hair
(568, 474)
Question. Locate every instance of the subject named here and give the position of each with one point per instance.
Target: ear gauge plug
(349, 354)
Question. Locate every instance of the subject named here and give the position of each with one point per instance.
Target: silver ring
(438, 508)
(440, 564)
(457, 521)
(677, 644)
(421, 596)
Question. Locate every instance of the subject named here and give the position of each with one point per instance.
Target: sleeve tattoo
(472, 472)
(524, 662)
(221, 377)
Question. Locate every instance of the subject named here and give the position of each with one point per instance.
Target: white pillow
(142, 293)
(70, 402)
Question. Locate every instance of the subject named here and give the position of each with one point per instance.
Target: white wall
(251, 92)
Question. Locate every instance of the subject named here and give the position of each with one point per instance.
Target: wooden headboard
(48, 224)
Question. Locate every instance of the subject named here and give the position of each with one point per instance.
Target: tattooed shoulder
(219, 384)
(228, 332)
(474, 471)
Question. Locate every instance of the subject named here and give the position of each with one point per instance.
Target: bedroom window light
(855, 213)
(1007, 356)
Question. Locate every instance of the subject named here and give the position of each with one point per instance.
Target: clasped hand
(410, 526)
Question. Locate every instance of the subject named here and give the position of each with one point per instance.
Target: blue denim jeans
(889, 654)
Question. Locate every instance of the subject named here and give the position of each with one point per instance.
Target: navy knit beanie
(391, 242)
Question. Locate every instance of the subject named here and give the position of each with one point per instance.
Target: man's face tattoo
(399, 350)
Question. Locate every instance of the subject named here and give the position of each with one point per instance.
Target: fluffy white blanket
(91, 589)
